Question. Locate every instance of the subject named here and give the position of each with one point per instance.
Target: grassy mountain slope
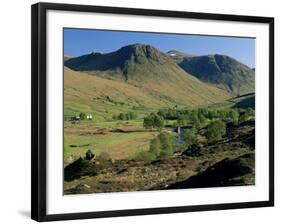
(222, 71)
(89, 92)
(137, 75)
(92, 92)
(122, 60)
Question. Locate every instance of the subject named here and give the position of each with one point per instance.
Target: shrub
(234, 116)
(202, 120)
(122, 117)
(125, 116)
(147, 122)
(161, 147)
(182, 120)
(165, 154)
(82, 116)
(246, 115)
(155, 146)
(133, 115)
(212, 114)
(114, 117)
(203, 111)
(158, 122)
(216, 130)
(153, 121)
(195, 120)
(190, 137)
(166, 141)
(145, 156)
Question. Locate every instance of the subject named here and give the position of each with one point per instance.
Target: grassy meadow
(125, 139)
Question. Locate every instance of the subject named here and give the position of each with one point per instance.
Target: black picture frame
(38, 108)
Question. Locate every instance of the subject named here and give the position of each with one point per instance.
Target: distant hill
(222, 71)
(151, 77)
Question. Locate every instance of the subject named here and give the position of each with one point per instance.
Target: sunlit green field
(119, 145)
(120, 139)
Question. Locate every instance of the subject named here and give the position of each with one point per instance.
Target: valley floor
(230, 162)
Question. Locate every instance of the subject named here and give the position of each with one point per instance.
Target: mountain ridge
(178, 56)
(160, 82)
(153, 71)
(116, 60)
(222, 71)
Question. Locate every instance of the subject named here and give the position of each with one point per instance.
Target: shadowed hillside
(246, 101)
(222, 71)
(228, 172)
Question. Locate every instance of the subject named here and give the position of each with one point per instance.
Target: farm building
(89, 117)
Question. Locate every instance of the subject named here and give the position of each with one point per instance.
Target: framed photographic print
(139, 111)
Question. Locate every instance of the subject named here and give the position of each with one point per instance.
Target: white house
(89, 116)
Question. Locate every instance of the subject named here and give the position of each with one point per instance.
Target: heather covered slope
(229, 162)
(228, 172)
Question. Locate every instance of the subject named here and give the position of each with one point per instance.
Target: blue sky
(81, 41)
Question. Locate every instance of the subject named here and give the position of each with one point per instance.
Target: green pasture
(117, 145)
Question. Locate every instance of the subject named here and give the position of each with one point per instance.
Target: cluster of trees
(215, 131)
(125, 116)
(153, 121)
(199, 118)
(171, 114)
(212, 120)
(194, 117)
(161, 147)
